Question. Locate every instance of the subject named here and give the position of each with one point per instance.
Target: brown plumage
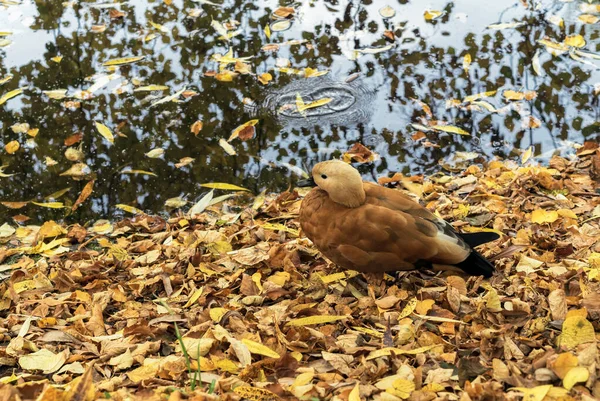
(363, 226)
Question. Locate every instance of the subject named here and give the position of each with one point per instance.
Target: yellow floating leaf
(588, 18)
(387, 12)
(12, 147)
(432, 14)
(450, 129)
(316, 103)
(105, 132)
(527, 155)
(6, 78)
(267, 31)
(124, 60)
(318, 319)
(227, 147)
(236, 132)
(281, 25)
(50, 205)
(196, 127)
(576, 330)
(155, 153)
(150, 88)
(144, 172)
(265, 78)
(575, 41)
(408, 309)
(574, 376)
(57, 59)
(224, 186)
(129, 209)
(541, 216)
(466, 62)
(175, 202)
(257, 348)
(10, 95)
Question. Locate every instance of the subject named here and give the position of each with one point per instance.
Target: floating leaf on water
(375, 50)
(594, 56)
(184, 162)
(159, 27)
(50, 161)
(5, 33)
(527, 155)
(5, 42)
(575, 41)
(3, 174)
(129, 209)
(211, 3)
(221, 30)
(514, 95)
(280, 26)
(123, 60)
(10, 95)
(589, 8)
(196, 127)
(136, 172)
(226, 76)
(227, 147)
(387, 12)
(5, 79)
(155, 153)
(267, 31)
(588, 18)
(506, 25)
(150, 88)
(466, 62)
(105, 132)
(283, 12)
(12, 147)
(85, 193)
(236, 132)
(265, 78)
(316, 103)
(169, 98)
(19, 128)
(57, 59)
(58, 194)
(201, 204)
(175, 202)
(224, 186)
(98, 28)
(57, 94)
(50, 205)
(556, 20)
(312, 73)
(450, 129)
(77, 170)
(535, 63)
(432, 14)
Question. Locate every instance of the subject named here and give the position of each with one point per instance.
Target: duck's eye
(323, 176)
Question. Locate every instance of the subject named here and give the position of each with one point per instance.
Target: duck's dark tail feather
(476, 265)
(476, 239)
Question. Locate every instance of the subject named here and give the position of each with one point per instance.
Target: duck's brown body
(388, 231)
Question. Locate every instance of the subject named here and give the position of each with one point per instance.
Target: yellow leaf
(467, 62)
(227, 147)
(316, 103)
(51, 205)
(226, 76)
(57, 59)
(124, 60)
(331, 278)
(588, 18)
(267, 31)
(402, 388)
(44, 360)
(355, 394)
(105, 132)
(424, 306)
(534, 394)
(432, 14)
(526, 155)
(150, 88)
(144, 172)
(450, 129)
(576, 330)
(574, 376)
(224, 186)
(281, 25)
(129, 209)
(397, 351)
(567, 213)
(257, 348)
(196, 127)
(280, 227)
(477, 96)
(541, 216)
(492, 300)
(563, 363)
(50, 229)
(12, 147)
(6, 78)
(255, 393)
(155, 153)
(265, 78)
(236, 132)
(216, 314)
(575, 41)
(195, 296)
(10, 95)
(408, 309)
(319, 319)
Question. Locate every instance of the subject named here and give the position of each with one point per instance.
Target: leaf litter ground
(132, 310)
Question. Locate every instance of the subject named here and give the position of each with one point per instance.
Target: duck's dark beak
(306, 183)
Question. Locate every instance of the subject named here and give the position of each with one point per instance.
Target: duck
(369, 228)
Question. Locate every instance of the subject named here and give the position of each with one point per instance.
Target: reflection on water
(424, 64)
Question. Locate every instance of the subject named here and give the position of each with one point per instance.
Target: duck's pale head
(341, 181)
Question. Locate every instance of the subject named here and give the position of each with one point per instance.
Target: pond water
(377, 87)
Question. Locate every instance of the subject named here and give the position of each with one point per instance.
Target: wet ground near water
(411, 62)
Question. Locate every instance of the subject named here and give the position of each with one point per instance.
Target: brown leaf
(85, 193)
